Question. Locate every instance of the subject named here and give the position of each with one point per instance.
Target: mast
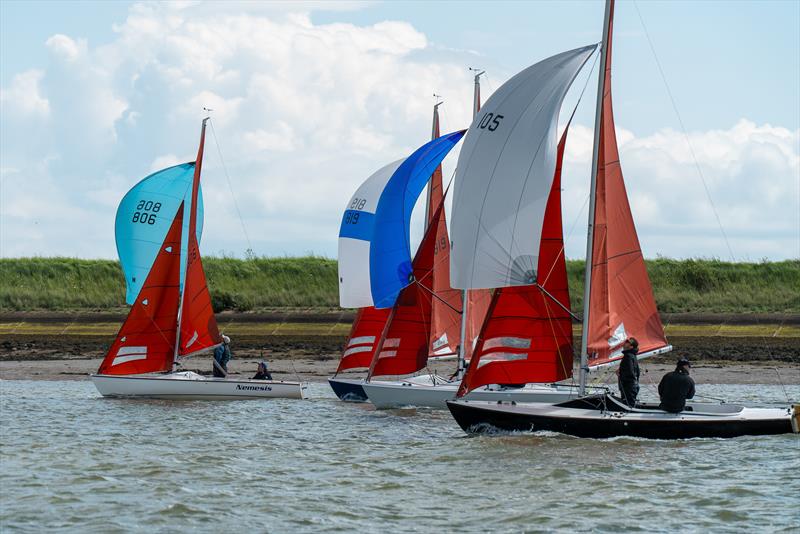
(434, 135)
(192, 230)
(462, 350)
(587, 287)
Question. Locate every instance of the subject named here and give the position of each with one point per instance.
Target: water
(74, 461)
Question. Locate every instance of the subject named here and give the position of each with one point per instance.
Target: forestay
(504, 175)
(143, 218)
(374, 238)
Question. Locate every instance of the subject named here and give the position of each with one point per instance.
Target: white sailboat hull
(413, 392)
(192, 386)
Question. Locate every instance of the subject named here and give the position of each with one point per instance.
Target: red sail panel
(403, 348)
(527, 337)
(621, 303)
(198, 325)
(446, 316)
(363, 339)
(146, 341)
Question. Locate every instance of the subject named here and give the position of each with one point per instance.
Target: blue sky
(92, 103)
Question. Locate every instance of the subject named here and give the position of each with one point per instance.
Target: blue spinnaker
(144, 217)
(390, 250)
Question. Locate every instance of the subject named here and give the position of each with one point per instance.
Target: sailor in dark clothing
(676, 387)
(262, 373)
(628, 372)
(222, 355)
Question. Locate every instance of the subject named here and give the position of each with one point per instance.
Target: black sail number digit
(146, 212)
(490, 122)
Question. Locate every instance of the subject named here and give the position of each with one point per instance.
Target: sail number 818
(146, 212)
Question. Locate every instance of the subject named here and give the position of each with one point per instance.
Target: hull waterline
(191, 386)
(404, 393)
(348, 389)
(713, 421)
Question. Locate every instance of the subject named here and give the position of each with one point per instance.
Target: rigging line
(433, 294)
(230, 186)
(685, 134)
(547, 294)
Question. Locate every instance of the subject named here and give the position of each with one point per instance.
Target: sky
(310, 98)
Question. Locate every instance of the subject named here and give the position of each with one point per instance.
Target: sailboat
(432, 391)
(369, 250)
(618, 303)
(171, 314)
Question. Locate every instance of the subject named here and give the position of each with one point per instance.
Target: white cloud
(303, 113)
(24, 96)
(752, 173)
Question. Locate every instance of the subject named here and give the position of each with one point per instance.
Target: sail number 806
(146, 212)
(490, 122)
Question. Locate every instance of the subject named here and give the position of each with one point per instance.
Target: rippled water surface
(72, 460)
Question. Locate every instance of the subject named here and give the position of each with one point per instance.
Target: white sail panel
(355, 235)
(504, 175)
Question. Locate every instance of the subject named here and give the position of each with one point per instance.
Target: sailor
(628, 372)
(676, 387)
(262, 373)
(222, 355)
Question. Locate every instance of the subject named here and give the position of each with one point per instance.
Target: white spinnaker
(354, 268)
(504, 175)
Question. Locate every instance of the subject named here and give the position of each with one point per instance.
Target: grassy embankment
(695, 286)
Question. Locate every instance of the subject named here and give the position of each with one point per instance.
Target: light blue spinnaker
(144, 217)
(374, 238)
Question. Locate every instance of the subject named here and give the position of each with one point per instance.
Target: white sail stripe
(507, 342)
(387, 354)
(131, 357)
(131, 350)
(361, 340)
(192, 340)
(392, 343)
(500, 357)
(356, 350)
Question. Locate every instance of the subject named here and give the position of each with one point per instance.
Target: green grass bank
(694, 286)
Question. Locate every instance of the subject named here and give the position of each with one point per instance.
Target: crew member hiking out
(628, 372)
(222, 355)
(676, 387)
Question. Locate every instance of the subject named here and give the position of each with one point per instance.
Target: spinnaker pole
(587, 287)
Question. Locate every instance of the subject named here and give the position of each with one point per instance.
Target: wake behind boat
(171, 314)
(605, 416)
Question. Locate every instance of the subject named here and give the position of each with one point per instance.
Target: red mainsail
(446, 307)
(198, 330)
(403, 348)
(146, 341)
(527, 337)
(363, 339)
(621, 302)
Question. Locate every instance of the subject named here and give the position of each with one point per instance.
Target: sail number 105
(490, 122)
(146, 212)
